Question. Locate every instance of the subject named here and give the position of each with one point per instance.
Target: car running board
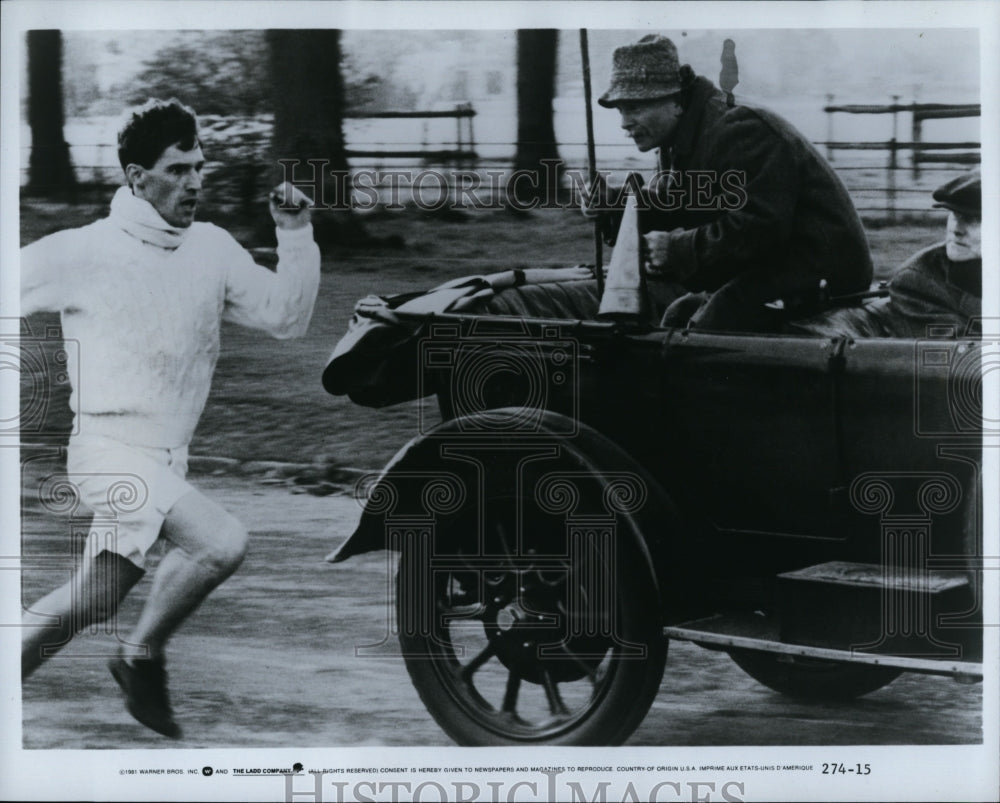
(753, 632)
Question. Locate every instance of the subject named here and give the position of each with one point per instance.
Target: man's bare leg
(91, 596)
(207, 545)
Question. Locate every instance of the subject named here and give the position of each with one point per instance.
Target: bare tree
(536, 138)
(50, 170)
(308, 138)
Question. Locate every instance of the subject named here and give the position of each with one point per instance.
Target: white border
(916, 773)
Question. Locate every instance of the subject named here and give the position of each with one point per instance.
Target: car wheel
(529, 647)
(813, 678)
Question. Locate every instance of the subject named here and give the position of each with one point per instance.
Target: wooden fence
(920, 152)
(463, 152)
(881, 188)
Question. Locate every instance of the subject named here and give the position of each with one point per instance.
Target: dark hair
(154, 127)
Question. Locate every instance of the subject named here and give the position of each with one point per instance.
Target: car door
(911, 423)
(746, 429)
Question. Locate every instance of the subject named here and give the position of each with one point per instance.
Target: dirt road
(269, 660)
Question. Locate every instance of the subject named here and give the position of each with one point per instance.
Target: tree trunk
(536, 137)
(49, 168)
(308, 137)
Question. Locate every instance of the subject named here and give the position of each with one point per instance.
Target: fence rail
(899, 146)
(464, 151)
(925, 111)
(885, 187)
(920, 152)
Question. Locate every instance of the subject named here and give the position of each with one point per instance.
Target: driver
(746, 210)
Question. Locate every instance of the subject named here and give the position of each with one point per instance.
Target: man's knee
(227, 548)
(207, 533)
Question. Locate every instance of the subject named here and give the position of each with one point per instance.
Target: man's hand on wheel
(654, 248)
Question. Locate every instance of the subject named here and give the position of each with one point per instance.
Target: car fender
(420, 474)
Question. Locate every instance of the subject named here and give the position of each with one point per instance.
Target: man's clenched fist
(289, 207)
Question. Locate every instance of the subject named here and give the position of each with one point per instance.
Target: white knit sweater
(146, 317)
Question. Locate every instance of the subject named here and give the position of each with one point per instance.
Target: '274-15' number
(844, 769)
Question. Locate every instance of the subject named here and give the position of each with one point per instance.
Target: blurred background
(890, 108)
(896, 111)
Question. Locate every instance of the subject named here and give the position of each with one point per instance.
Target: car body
(808, 502)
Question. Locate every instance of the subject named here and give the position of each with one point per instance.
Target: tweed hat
(962, 194)
(646, 70)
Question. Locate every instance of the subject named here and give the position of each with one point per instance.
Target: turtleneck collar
(141, 220)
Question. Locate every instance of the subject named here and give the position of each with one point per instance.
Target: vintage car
(806, 501)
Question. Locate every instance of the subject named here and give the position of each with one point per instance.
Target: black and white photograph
(500, 401)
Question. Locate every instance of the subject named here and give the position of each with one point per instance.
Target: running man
(144, 291)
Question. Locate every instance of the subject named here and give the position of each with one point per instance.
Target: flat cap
(646, 70)
(962, 194)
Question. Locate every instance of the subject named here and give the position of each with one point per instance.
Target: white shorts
(130, 489)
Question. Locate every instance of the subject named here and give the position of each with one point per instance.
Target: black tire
(512, 650)
(813, 678)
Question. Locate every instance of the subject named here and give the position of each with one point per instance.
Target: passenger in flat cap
(942, 286)
(743, 210)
